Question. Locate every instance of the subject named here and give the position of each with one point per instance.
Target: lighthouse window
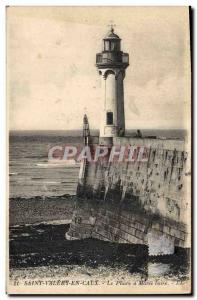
(110, 118)
(115, 46)
(107, 46)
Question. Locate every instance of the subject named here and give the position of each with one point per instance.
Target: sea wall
(137, 202)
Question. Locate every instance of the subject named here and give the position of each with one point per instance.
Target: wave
(37, 156)
(38, 197)
(67, 182)
(57, 165)
(13, 173)
(51, 222)
(52, 182)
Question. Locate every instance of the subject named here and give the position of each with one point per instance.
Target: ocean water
(29, 172)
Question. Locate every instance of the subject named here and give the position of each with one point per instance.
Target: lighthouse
(112, 63)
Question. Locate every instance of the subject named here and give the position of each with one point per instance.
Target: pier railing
(112, 57)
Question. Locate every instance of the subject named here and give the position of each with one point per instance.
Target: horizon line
(137, 128)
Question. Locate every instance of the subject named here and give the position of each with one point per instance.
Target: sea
(30, 172)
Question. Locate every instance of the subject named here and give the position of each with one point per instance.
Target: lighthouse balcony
(105, 59)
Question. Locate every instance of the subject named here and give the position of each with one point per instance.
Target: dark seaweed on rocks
(45, 245)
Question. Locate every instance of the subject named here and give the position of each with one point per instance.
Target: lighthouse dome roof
(111, 35)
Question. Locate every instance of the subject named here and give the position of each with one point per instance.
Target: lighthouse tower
(111, 63)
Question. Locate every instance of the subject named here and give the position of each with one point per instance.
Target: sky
(52, 79)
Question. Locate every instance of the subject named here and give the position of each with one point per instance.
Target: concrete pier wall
(136, 202)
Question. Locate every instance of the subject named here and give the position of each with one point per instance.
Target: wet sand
(40, 209)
